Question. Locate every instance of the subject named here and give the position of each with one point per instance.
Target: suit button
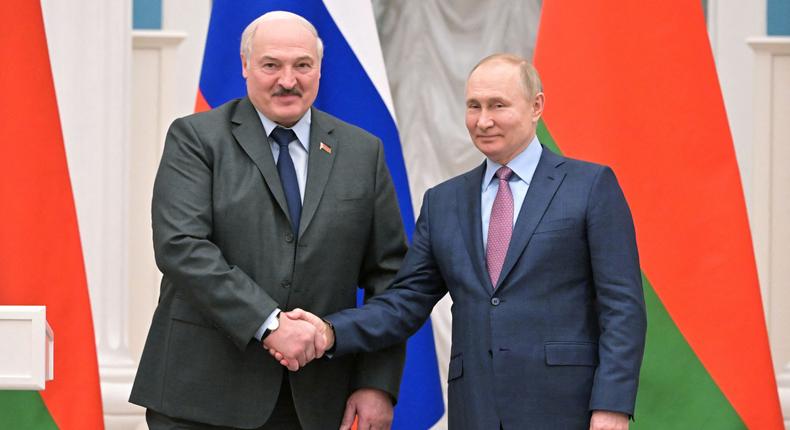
(289, 237)
(286, 284)
(495, 301)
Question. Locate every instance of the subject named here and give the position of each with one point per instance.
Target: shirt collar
(523, 165)
(301, 128)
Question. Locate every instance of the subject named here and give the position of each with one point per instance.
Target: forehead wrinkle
(275, 58)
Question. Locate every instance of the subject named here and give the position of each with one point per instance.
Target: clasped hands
(300, 338)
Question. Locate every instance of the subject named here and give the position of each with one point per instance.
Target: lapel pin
(324, 147)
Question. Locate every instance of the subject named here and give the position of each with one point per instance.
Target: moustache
(287, 92)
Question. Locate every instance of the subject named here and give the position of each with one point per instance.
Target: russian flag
(354, 88)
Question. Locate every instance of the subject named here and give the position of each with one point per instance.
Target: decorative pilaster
(770, 202)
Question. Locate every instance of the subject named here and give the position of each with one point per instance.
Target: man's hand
(323, 338)
(373, 408)
(321, 326)
(297, 341)
(607, 420)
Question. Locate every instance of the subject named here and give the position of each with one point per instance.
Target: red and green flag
(40, 255)
(634, 86)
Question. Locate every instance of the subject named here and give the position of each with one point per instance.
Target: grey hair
(249, 32)
(530, 79)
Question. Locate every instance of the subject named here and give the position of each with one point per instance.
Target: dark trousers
(283, 418)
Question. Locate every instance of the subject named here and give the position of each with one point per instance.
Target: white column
(730, 23)
(771, 198)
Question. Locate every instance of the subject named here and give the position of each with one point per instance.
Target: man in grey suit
(538, 253)
(261, 205)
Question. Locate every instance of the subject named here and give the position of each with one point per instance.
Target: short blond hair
(249, 33)
(530, 79)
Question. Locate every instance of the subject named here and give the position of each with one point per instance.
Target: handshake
(300, 338)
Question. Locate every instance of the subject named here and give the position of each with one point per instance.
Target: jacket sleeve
(182, 231)
(384, 254)
(390, 317)
(619, 297)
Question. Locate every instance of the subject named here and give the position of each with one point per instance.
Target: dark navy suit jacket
(562, 333)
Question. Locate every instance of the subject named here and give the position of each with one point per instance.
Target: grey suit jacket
(223, 241)
(562, 333)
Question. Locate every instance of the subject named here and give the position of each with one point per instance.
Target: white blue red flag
(354, 88)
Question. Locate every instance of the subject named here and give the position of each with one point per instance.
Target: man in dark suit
(261, 205)
(538, 253)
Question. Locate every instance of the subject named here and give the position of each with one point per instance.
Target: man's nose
(287, 78)
(484, 121)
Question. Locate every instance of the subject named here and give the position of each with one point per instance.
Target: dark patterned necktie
(285, 167)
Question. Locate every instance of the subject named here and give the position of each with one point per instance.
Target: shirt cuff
(267, 325)
(330, 353)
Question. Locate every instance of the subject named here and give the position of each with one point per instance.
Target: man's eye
(269, 66)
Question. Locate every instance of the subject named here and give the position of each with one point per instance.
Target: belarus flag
(634, 86)
(354, 88)
(40, 253)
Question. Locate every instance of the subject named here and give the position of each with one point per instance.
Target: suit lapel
(250, 134)
(319, 164)
(468, 212)
(544, 185)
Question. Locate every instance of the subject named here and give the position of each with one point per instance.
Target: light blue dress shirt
(299, 156)
(523, 166)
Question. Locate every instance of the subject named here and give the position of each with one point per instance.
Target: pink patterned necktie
(500, 225)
